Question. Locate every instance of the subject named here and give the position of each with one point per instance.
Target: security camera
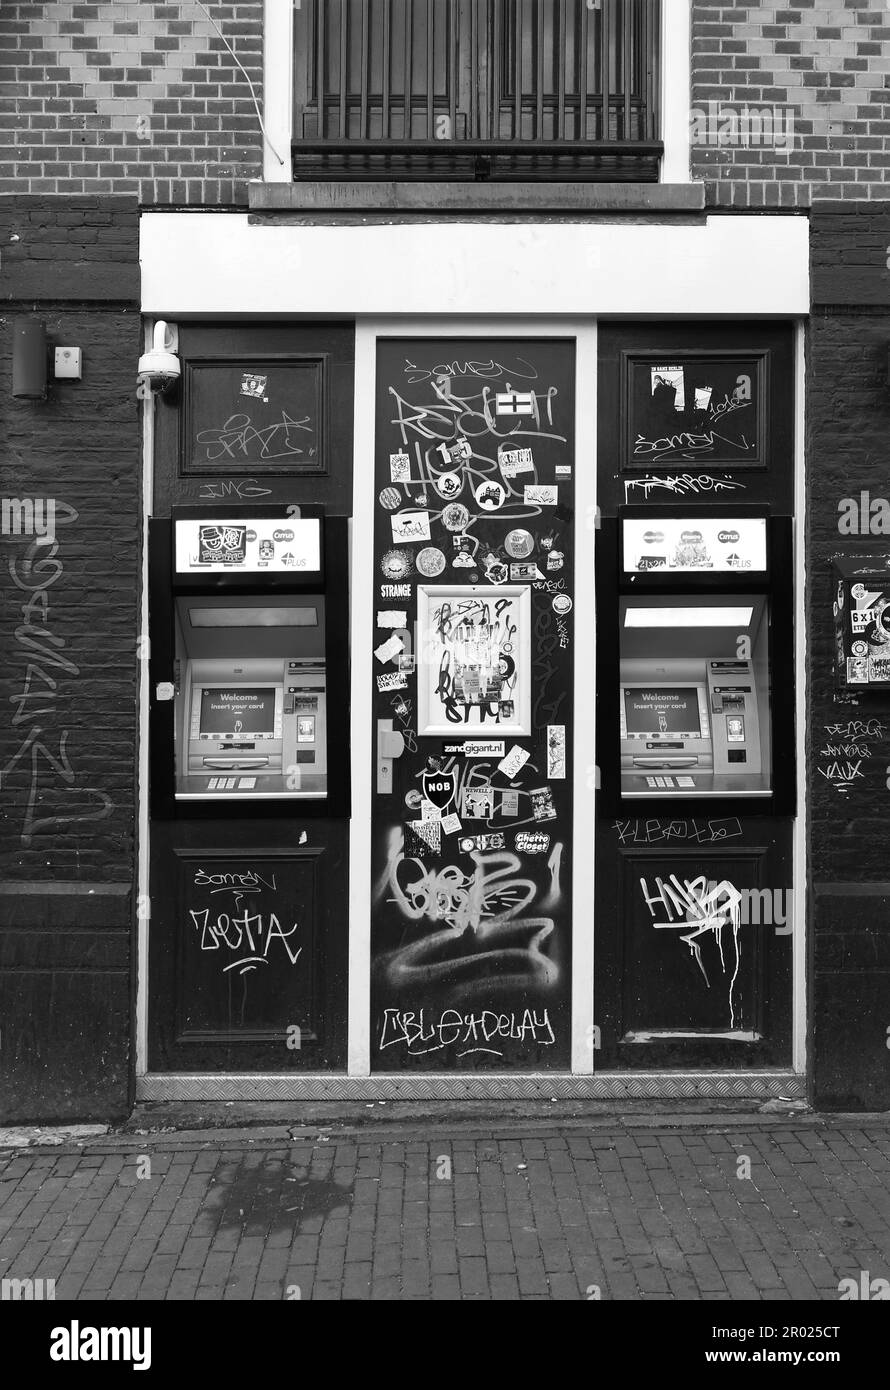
(159, 367)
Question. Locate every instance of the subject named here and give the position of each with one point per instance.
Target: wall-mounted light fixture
(29, 360)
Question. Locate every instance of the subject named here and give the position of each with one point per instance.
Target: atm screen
(230, 713)
(651, 712)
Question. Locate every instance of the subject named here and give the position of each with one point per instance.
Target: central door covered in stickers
(472, 704)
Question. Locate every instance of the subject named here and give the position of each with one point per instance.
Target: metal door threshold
(693, 1085)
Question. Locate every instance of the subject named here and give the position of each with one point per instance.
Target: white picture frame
(474, 660)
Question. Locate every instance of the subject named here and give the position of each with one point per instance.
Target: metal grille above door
(476, 88)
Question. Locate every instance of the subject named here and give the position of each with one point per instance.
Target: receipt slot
(249, 674)
(695, 683)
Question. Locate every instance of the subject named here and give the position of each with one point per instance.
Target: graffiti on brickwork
(40, 672)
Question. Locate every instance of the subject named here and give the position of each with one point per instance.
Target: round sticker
(519, 544)
(455, 517)
(859, 648)
(562, 604)
(397, 564)
(390, 498)
(490, 496)
(449, 485)
(413, 799)
(496, 574)
(430, 562)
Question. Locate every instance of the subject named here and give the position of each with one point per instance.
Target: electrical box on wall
(861, 611)
(67, 363)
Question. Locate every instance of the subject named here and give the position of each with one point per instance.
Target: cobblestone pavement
(714, 1210)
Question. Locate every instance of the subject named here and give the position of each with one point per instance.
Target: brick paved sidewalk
(518, 1212)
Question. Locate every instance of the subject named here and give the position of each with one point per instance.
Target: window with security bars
(477, 88)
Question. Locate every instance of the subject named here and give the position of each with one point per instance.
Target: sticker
(509, 803)
(223, 544)
(396, 617)
(392, 680)
(430, 562)
(496, 573)
(562, 604)
(513, 461)
(490, 496)
(397, 564)
(519, 544)
(462, 561)
(879, 668)
(527, 570)
(668, 387)
(478, 803)
(420, 499)
(439, 787)
(471, 842)
(428, 811)
(514, 761)
(542, 803)
(396, 590)
(422, 837)
(555, 560)
(556, 751)
(547, 542)
(703, 397)
(399, 467)
(477, 748)
(859, 648)
(407, 662)
(531, 842)
(451, 824)
(857, 670)
(541, 494)
(387, 650)
(390, 498)
(515, 402)
(449, 485)
(563, 470)
(413, 799)
(455, 517)
(254, 385)
(410, 526)
(460, 452)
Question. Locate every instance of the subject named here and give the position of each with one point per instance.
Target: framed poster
(255, 415)
(474, 660)
(703, 408)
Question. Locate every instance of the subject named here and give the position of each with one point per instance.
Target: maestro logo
(439, 788)
(728, 537)
(691, 537)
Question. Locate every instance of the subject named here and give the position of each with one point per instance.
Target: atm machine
(245, 671)
(702, 622)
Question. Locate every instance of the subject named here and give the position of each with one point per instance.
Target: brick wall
(824, 64)
(69, 618)
(130, 98)
(848, 426)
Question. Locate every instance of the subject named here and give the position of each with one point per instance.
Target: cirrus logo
(282, 535)
(728, 537)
